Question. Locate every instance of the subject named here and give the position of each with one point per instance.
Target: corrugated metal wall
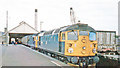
(106, 37)
(118, 40)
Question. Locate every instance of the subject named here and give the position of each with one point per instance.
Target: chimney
(36, 19)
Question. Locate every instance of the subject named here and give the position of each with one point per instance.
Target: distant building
(119, 30)
(2, 39)
(119, 26)
(119, 40)
(20, 31)
(106, 39)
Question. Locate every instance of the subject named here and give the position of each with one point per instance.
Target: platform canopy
(20, 31)
(23, 27)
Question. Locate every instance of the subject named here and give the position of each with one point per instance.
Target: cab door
(62, 38)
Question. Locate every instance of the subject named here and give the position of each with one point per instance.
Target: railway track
(108, 62)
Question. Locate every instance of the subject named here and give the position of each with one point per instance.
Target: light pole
(41, 26)
(36, 18)
(72, 15)
(6, 28)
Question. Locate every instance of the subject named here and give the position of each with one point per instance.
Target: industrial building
(106, 39)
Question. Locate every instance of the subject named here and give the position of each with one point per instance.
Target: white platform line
(56, 63)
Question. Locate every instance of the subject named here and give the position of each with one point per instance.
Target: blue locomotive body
(50, 42)
(75, 43)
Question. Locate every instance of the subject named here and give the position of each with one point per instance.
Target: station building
(20, 31)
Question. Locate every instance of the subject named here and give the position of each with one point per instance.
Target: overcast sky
(100, 14)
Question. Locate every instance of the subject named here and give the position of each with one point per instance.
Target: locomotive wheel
(57, 57)
(65, 60)
(83, 65)
(46, 52)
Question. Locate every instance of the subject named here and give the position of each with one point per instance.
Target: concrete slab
(0, 55)
(23, 56)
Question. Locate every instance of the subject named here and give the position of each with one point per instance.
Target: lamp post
(41, 25)
(6, 28)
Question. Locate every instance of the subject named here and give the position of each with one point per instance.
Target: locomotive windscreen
(73, 35)
(92, 36)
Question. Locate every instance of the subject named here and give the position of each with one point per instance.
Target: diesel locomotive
(75, 44)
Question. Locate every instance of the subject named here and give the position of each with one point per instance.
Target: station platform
(20, 55)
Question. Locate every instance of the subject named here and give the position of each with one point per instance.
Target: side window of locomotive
(33, 40)
(72, 35)
(46, 38)
(92, 36)
(85, 33)
(54, 38)
(37, 38)
(63, 36)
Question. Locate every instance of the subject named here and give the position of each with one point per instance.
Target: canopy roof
(23, 27)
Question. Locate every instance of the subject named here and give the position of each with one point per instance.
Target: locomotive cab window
(37, 38)
(63, 36)
(92, 36)
(72, 35)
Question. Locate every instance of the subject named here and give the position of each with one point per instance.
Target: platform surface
(0, 55)
(21, 55)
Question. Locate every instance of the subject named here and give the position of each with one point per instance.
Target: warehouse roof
(23, 27)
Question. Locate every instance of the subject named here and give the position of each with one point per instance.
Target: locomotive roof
(78, 26)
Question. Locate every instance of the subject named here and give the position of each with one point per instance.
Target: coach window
(49, 38)
(63, 36)
(45, 38)
(54, 38)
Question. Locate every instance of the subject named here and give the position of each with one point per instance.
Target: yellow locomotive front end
(80, 43)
